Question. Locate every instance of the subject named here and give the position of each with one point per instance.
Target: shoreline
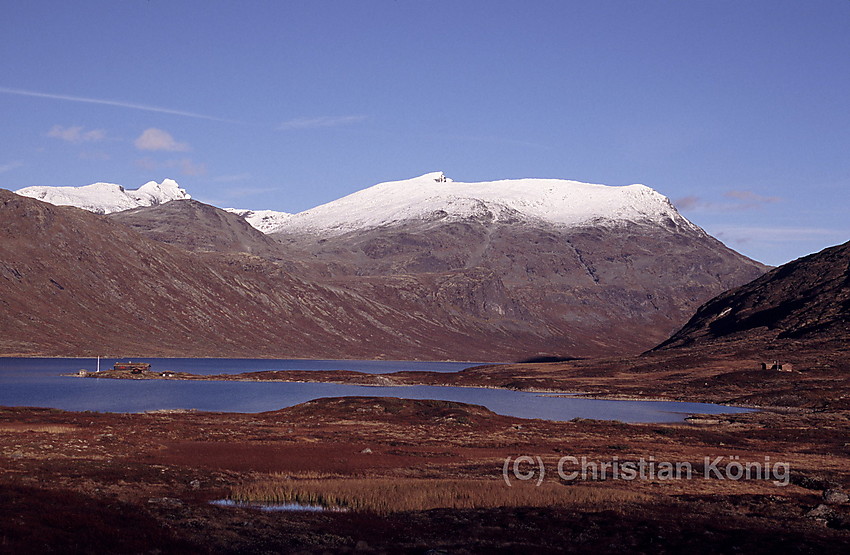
(143, 357)
(248, 377)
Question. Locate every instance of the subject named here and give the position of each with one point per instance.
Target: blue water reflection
(39, 383)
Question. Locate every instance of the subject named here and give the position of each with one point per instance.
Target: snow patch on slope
(267, 221)
(105, 198)
(433, 196)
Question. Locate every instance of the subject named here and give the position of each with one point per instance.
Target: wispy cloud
(94, 155)
(248, 192)
(76, 134)
(236, 191)
(158, 139)
(186, 166)
(738, 201)
(747, 234)
(749, 199)
(147, 164)
(492, 139)
(232, 178)
(323, 121)
(189, 167)
(691, 202)
(10, 166)
(117, 103)
(776, 244)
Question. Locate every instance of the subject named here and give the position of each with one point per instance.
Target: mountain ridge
(73, 283)
(212, 230)
(433, 196)
(105, 198)
(516, 286)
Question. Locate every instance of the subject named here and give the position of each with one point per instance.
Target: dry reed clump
(41, 428)
(386, 495)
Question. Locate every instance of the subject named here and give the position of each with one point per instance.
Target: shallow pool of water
(274, 507)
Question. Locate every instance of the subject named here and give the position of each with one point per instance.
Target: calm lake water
(37, 382)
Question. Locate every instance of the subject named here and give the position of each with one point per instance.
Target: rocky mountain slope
(601, 290)
(76, 283)
(197, 227)
(266, 221)
(528, 267)
(797, 315)
(611, 269)
(806, 301)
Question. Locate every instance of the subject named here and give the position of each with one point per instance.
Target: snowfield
(433, 196)
(105, 198)
(267, 221)
(430, 197)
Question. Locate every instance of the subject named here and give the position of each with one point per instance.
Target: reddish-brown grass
(387, 495)
(44, 428)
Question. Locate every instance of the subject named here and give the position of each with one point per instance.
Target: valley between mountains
(637, 301)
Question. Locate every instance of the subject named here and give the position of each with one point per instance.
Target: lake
(37, 382)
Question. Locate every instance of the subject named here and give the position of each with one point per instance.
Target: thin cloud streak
(76, 134)
(740, 201)
(750, 197)
(186, 166)
(10, 166)
(746, 234)
(231, 178)
(249, 192)
(324, 121)
(117, 103)
(496, 140)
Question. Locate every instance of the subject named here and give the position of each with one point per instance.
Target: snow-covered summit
(433, 196)
(430, 197)
(267, 221)
(105, 198)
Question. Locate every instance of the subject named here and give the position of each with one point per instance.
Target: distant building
(133, 367)
(777, 366)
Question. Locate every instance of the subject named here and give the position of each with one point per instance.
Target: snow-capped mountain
(105, 198)
(427, 268)
(430, 197)
(433, 196)
(267, 221)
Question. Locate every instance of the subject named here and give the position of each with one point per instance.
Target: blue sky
(737, 111)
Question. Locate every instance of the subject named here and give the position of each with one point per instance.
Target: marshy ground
(418, 476)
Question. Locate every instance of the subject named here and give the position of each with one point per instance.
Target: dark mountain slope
(198, 227)
(76, 283)
(579, 292)
(797, 315)
(607, 289)
(804, 301)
